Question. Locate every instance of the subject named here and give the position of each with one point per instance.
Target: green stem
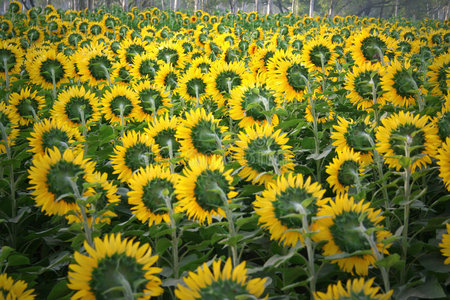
(173, 226)
(52, 72)
(128, 292)
(79, 200)
(309, 251)
(406, 210)
(231, 228)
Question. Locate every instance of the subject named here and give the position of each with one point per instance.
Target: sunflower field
(182, 155)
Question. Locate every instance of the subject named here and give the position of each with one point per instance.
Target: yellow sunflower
(404, 133)
(94, 64)
(278, 204)
(223, 79)
(149, 189)
(204, 187)
(192, 86)
(54, 176)
(171, 52)
(254, 103)
(260, 59)
(353, 135)
(343, 225)
(120, 74)
(444, 163)
(145, 66)
(445, 244)
(163, 130)
(323, 109)
(50, 133)
(203, 63)
(10, 128)
(372, 48)
(344, 171)
(357, 288)
(401, 83)
(288, 76)
(439, 75)
(167, 77)
(153, 101)
(262, 153)
(319, 55)
(96, 29)
(200, 134)
(11, 59)
(15, 289)
(364, 86)
(76, 106)
(115, 268)
(138, 150)
(25, 106)
(35, 35)
(130, 48)
(50, 68)
(120, 104)
(228, 283)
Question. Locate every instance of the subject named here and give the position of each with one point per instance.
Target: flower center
(74, 39)
(195, 87)
(356, 137)
(164, 138)
(149, 67)
(346, 233)
(98, 67)
(171, 80)
(204, 137)
(257, 101)
(59, 177)
(168, 55)
(363, 86)
(55, 138)
(75, 106)
(26, 107)
(263, 153)
(109, 276)
(320, 54)
(10, 58)
(137, 156)
(208, 189)
(410, 132)
(227, 81)
(96, 29)
(222, 289)
(151, 100)
(153, 194)
(373, 48)
(443, 77)
(121, 103)
(444, 126)
(52, 68)
(347, 172)
(406, 84)
(296, 75)
(133, 50)
(287, 203)
(204, 67)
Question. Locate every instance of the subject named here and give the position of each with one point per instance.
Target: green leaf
(393, 260)
(162, 245)
(60, 291)
(431, 289)
(434, 263)
(18, 260)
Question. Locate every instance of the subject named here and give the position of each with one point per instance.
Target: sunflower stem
(5, 65)
(80, 201)
(309, 251)
(316, 136)
(406, 209)
(324, 75)
(173, 227)
(420, 100)
(83, 123)
(108, 77)
(171, 166)
(128, 292)
(52, 72)
(374, 99)
(379, 256)
(122, 123)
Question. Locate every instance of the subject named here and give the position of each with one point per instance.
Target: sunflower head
(15, 289)
(357, 288)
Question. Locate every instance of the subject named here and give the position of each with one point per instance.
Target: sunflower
(358, 288)
(372, 48)
(260, 59)
(53, 177)
(192, 86)
(163, 130)
(171, 52)
(444, 162)
(145, 66)
(223, 79)
(11, 58)
(120, 74)
(137, 150)
(439, 75)
(129, 48)
(25, 106)
(35, 35)
(96, 29)
(254, 103)
(149, 189)
(15, 7)
(50, 133)
(203, 188)
(94, 64)
(290, 195)
(120, 104)
(355, 136)
(167, 77)
(406, 132)
(152, 101)
(319, 55)
(75, 106)
(344, 171)
(112, 267)
(10, 128)
(12, 289)
(401, 83)
(261, 152)
(323, 108)
(288, 76)
(203, 63)
(445, 244)
(343, 225)
(363, 84)
(50, 68)
(228, 283)
(200, 134)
